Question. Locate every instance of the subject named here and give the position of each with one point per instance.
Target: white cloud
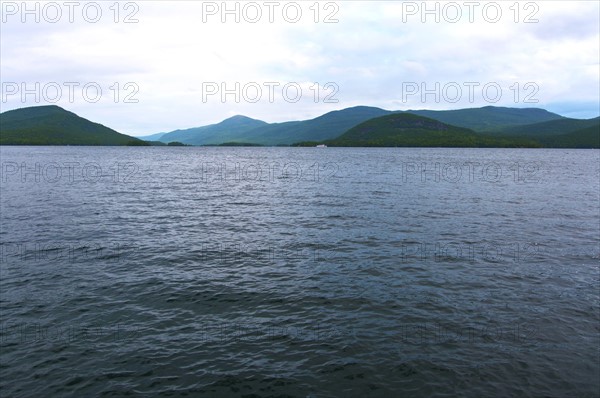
(371, 53)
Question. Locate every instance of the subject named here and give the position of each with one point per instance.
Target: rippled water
(299, 272)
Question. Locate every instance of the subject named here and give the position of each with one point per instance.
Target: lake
(308, 272)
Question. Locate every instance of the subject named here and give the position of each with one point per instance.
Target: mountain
(361, 125)
(489, 118)
(241, 129)
(53, 125)
(409, 130)
(229, 130)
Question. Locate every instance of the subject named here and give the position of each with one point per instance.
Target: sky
(144, 67)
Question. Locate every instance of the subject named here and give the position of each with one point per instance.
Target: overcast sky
(163, 65)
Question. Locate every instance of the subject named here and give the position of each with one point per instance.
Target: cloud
(373, 51)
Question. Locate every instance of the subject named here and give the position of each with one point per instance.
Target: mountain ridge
(53, 125)
(335, 123)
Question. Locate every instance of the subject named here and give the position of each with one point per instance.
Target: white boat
(321, 146)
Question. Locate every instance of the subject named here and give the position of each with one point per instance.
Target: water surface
(299, 272)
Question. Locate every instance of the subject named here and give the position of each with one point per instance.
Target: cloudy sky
(152, 66)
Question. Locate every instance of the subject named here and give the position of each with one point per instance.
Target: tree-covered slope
(490, 118)
(53, 125)
(409, 130)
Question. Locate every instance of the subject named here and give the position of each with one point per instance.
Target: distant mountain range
(333, 124)
(357, 126)
(52, 125)
(246, 130)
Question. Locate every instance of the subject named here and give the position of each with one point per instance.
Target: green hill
(409, 130)
(52, 125)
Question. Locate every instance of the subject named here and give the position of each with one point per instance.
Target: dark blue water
(299, 272)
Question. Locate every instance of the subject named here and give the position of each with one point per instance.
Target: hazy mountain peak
(238, 119)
